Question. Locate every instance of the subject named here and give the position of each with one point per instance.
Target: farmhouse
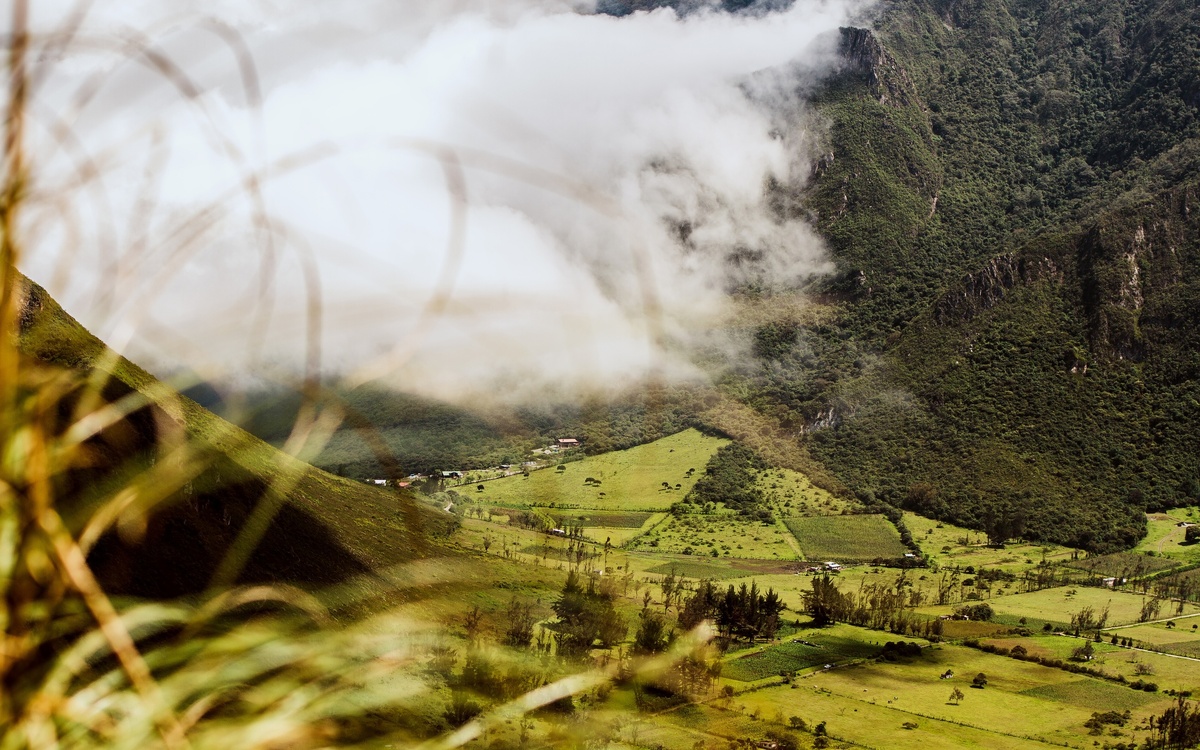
(830, 565)
(564, 443)
(451, 475)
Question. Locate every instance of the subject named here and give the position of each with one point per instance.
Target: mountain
(1009, 190)
(313, 527)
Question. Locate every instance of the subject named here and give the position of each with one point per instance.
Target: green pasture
(1022, 705)
(915, 685)
(698, 571)
(1164, 535)
(949, 545)
(1159, 634)
(1164, 670)
(876, 725)
(628, 480)
(846, 538)
(727, 535)
(1123, 564)
(613, 519)
(616, 536)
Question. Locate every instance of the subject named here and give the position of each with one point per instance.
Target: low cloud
(614, 181)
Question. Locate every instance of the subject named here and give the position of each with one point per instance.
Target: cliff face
(888, 79)
(1138, 269)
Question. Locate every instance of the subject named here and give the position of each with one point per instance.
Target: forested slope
(1010, 191)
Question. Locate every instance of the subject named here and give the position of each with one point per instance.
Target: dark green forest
(1008, 190)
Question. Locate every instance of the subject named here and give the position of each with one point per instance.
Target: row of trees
(875, 605)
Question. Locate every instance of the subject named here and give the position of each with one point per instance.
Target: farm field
(1159, 634)
(875, 725)
(846, 538)
(793, 494)
(1164, 535)
(943, 543)
(629, 480)
(1056, 605)
(1045, 703)
(697, 571)
(1056, 708)
(727, 535)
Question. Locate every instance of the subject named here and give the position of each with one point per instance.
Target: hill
(213, 487)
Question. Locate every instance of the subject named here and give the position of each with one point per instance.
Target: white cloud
(649, 111)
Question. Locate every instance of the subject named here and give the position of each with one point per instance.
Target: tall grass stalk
(236, 667)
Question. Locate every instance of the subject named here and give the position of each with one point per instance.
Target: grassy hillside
(316, 527)
(631, 479)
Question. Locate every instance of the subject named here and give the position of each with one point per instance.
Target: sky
(457, 198)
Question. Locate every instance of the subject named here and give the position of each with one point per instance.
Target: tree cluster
(730, 478)
(586, 615)
(1178, 727)
(744, 614)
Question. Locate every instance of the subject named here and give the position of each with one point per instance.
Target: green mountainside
(1009, 191)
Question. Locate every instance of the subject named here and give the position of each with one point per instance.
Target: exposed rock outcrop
(986, 287)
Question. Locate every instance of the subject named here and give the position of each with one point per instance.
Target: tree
(980, 681)
(472, 622)
(1178, 727)
(462, 709)
(1084, 652)
(956, 696)
(652, 636)
(824, 603)
(521, 620)
(1192, 534)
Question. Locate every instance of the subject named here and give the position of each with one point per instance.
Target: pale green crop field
(629, 480)
(1058, 604)
(846, 538)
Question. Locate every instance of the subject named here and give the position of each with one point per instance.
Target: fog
(456, 198)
